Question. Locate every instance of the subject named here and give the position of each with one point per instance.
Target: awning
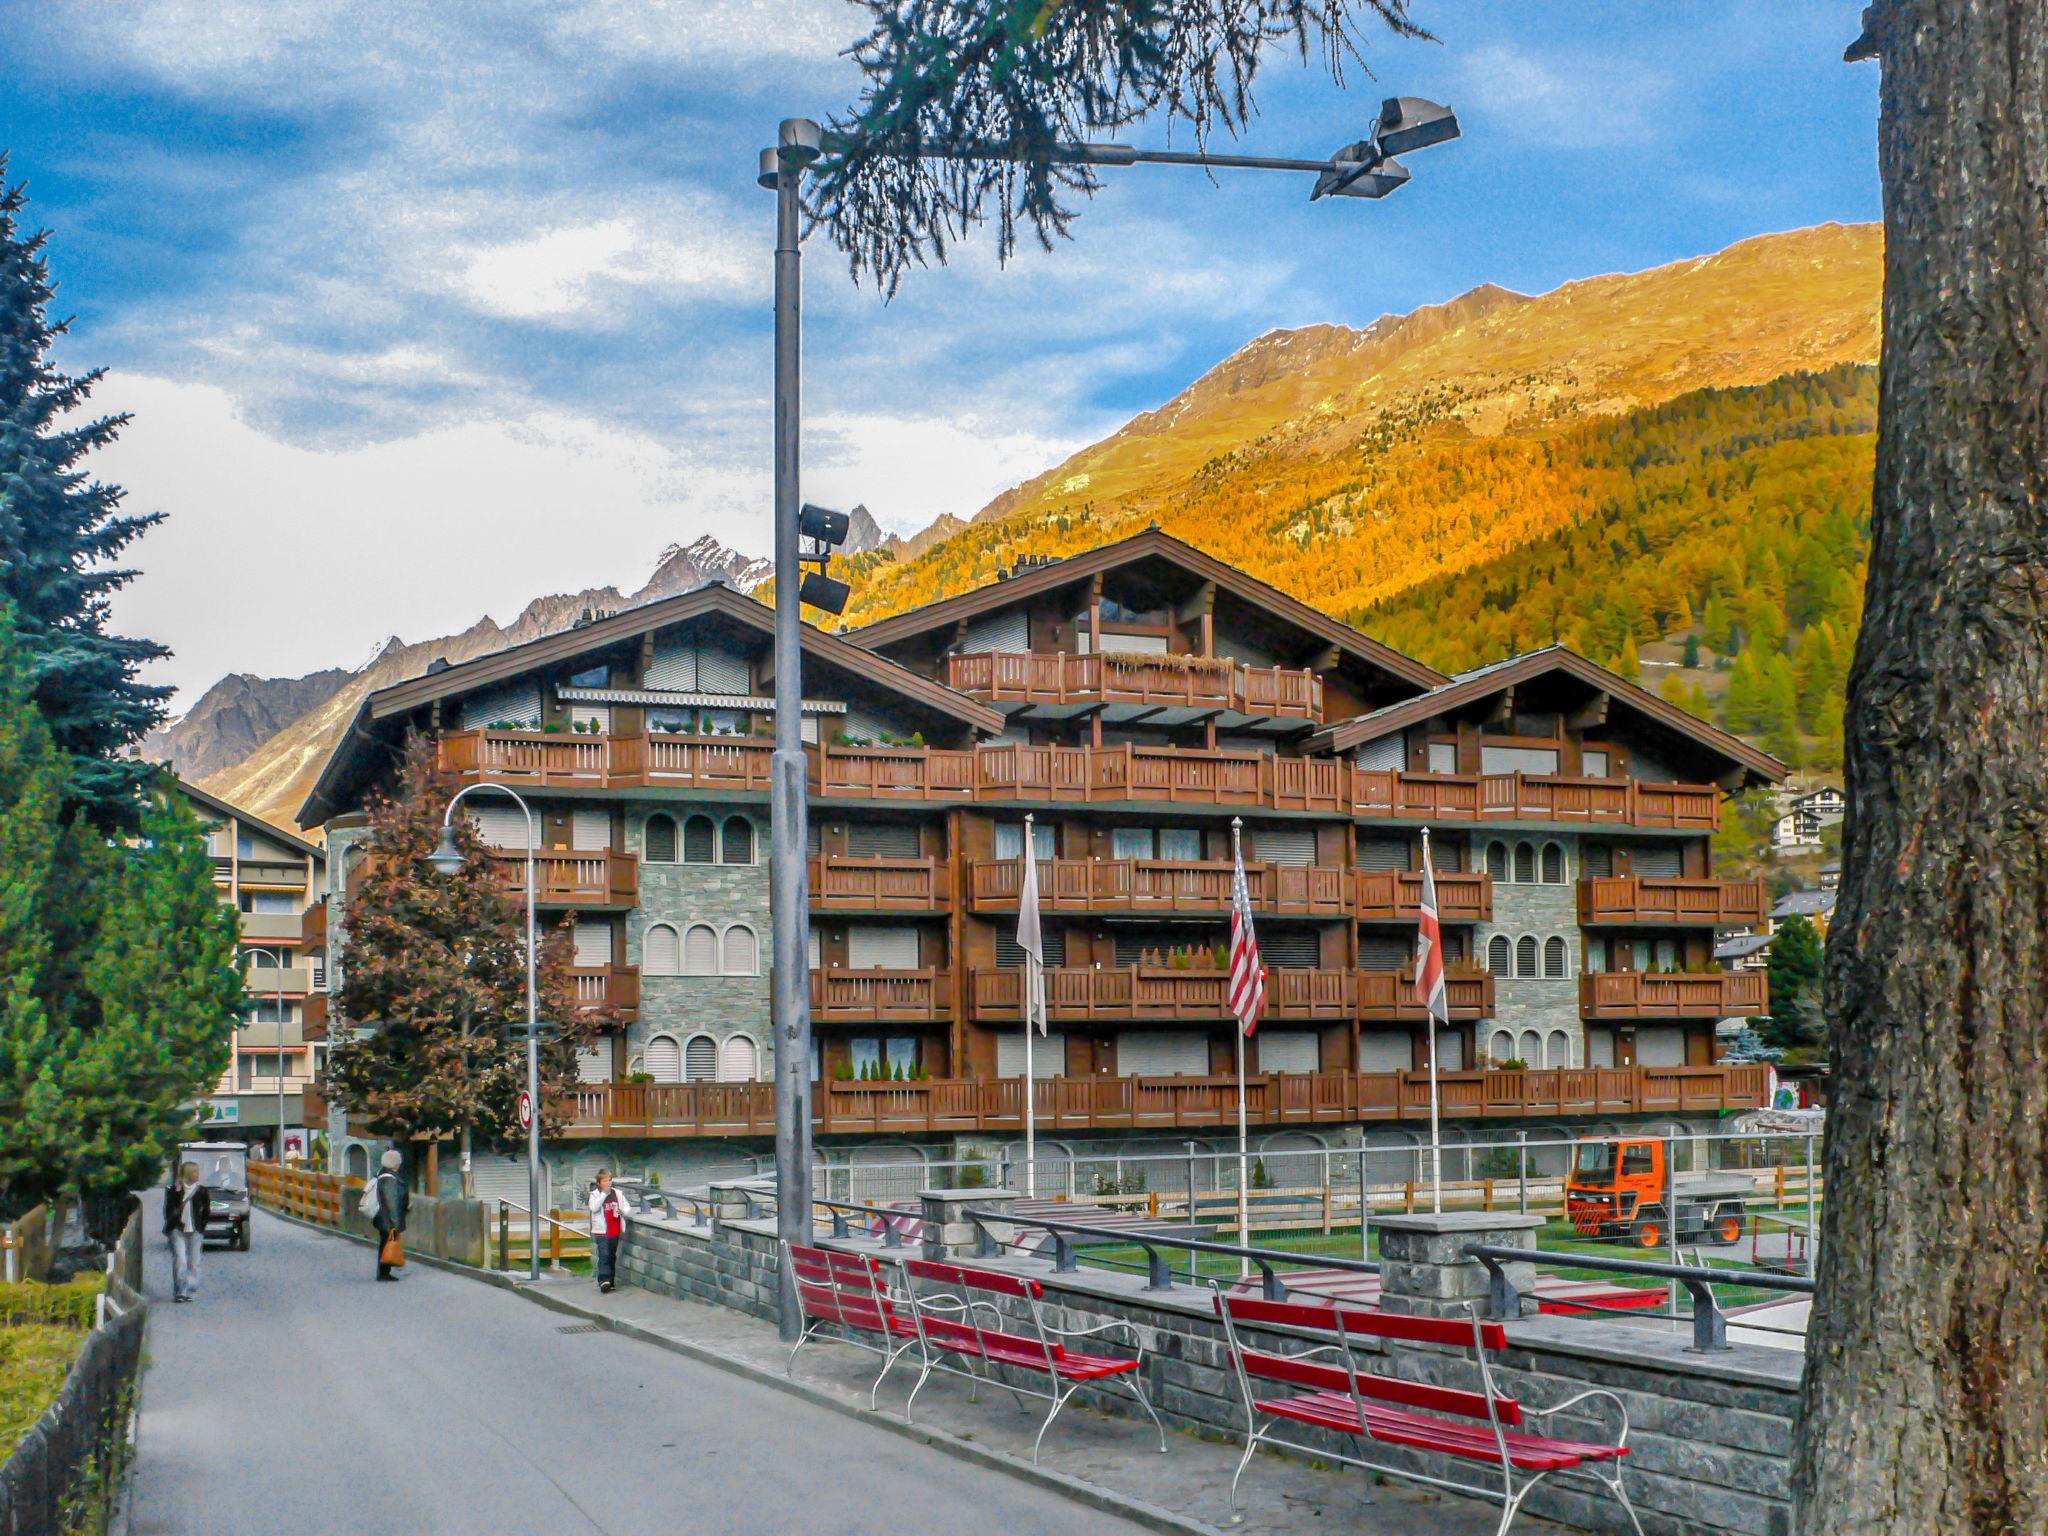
(669, 698)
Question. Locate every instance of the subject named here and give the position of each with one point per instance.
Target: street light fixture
(1365, 169)
(448, 859)
(277, 960)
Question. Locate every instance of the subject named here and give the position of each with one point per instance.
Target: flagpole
(1436, 1146)
(1244, 1201)
(1033, 981)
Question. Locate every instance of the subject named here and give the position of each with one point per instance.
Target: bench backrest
(1020, 1286)
(972, 1327)
(1342, 1328)
(839, 1288)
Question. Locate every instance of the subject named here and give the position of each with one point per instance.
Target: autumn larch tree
(1925, 1406)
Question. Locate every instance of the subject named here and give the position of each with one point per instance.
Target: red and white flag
(1429, 949)
(1247, 973)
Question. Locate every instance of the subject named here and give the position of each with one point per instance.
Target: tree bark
(1925, 1407)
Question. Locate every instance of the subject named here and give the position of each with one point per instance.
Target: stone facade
(1541, 1006)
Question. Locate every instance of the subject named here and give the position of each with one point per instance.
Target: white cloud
(575, 274)
(1584, 102)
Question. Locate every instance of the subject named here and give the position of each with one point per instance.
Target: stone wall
(1544, 1005)
(732, 1265)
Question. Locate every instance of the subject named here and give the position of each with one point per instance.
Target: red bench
(1341, 1394)
(962, 1323)
(845, 1291)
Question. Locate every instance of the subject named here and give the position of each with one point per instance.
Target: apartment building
(1140, 701)
(271, 879)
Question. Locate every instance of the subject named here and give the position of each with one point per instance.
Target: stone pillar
(730, 1200)
(948, 1235)
(1423, 1268)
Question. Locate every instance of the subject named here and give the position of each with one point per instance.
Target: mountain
(269, 772)
(236, 716)
(1311, 456)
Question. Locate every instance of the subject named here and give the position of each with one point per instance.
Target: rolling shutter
(1294, 847)
(1289, 949)
(882, 839)
(1385, 1051)
(1450, 1050)
(1384, 952)
(1660, 1045)
(872, 947)
(721, 671)
(1048, 1055)
(501, 826)
(1010, 958)
(662, 951)
(1162, 1053)
(673, 666)
(517, 704)
(700, 951)
(1517, 759)
(1596, 860)
(700, 1060)
(1384, 754)
(664, 1060)
(742, 953)
(590, 831)
(738, 1061)
(593, 944)
(1658, 860)
(1289, 1050)
(496, 1177)
(1005, 631)
(594, 1063)
(1382, 853)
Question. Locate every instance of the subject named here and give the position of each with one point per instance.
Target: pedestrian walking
(389, 1219)
(186, 1207)
(607, 1226)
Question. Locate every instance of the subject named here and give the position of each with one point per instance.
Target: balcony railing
(1395, 896)
(1153, 992)
(272, 872)
(1089, 1103)
(313, 1017)
(1679, 995)
(1535, 797)
(564, 878)
(842, 882)
(265, 981)
(1391, 995)
(1605, 899)
(1184, 682)
(873, 997)
(313, 925)
(616, 987)
(1162, 886)
(273, 927)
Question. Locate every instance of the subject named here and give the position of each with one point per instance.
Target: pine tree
(58, 532)
(1794, 975)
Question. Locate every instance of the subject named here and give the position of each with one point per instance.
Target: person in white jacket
(607, 1226)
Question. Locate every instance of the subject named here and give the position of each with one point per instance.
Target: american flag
(1429, 949)
(1247, 974)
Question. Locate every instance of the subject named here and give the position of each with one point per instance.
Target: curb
(1138, 1511)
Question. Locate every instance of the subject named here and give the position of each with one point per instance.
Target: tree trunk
(1926, 1396)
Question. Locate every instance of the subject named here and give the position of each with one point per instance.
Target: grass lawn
(34, 1358)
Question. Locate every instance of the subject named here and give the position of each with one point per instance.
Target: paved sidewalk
(1190, 1484)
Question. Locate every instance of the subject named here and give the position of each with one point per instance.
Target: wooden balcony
(1442, 797)
(313, 1016)
(600, 880)
(1164, 886)
(1395, 896)
(273, 927)
(1390, 995)
(1157, 992)
(313, 925)
(271, 874)
(544, 760)
(1145, 1103)
(881, 997)
(268, 981)
(313, 1104)
(1623, 899)
(1210, 685)
(616, 987)
(1679, 995)
(842, 882)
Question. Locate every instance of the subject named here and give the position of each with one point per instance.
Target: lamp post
(277, 959)
(1365, 169)
(447, 858)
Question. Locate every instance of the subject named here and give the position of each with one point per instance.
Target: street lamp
(1364, 169)
(447, 858)
(277, 960)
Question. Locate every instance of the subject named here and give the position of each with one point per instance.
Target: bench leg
(1130, 1379)
(1251, 1446)
(1512, 1506)
(1059, 1401)
(803, 1338)
(1621, 1494)
(889, 1359)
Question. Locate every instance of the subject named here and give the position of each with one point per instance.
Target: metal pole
(789, 879)
(1671, 1210)
(1811, 1256)
(1364, 1209)
(277, 1001)
(1522, 1170)
(532, 1057)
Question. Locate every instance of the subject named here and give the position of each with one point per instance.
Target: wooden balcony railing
(869, 997)
(313, 1018)
(1678, 995)
(1391, 995)
(1670, 902)
(842, 882)
(1162, 885)
(1152, 992)
(1091, 1103)
(313, 925)
(1188, 682)
(272, 927)
(563, 878)
(272, 873)
(1395, 896)
(616, 987)
(1535, 797)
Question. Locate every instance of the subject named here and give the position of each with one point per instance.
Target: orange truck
(1623, 1190)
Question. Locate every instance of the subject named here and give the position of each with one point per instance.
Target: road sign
(525, 1109)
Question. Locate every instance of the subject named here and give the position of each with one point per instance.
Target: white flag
(1028, 937)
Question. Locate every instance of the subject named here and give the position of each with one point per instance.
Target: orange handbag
(391, 1253)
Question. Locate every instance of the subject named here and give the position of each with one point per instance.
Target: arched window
(1553, 864)
(1531, 1050)
(1497, 860)
(736, 1060)
(1525, 863)
(1500, 958)
(700, 841)
(1556, 957)
(661, 953)
(661, 839)
(700, 1060)
(739, 841)
(664, 1059)
(1558, 1053)
(700, 951)
(741, 951)
(1503, 1046)
(1525, 956)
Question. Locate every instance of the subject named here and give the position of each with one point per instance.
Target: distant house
(1826, 802)
(1830, 875)
(1817, 907)
(1795, 830)
(1744, 952)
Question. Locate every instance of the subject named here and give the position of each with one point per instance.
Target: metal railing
(556, 1229)
(1709, 1322)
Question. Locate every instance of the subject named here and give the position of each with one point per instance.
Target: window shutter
(737, 845)
(661, 840)
(700, 841)
(1538, 760)
(1656, 860)
(1053, 940)
(882, 839)
(736, 1060)
(1383, 952)
(593, 944)
(1009, 630)
(1048, 1054)
(1290, 949)
(741, 951)
(515, 703)
(1556, 959)
(873, 947)
(720, 671)
(1382, 853)
(1162, 1053)
(700, 1060)
(661, 951)
(501, 826)
(1289, 1050)
(1443, 757)
(1383, 755)
(673, 666)
(700, 951)
(1596, 859)
(1553, 864)
(1525, 956)
(594, 1063)
(664, 1063)
(1525, 864)
(590, 831)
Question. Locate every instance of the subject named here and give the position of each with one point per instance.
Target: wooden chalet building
(1136, 698)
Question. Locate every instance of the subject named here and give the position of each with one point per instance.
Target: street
(297, 1394)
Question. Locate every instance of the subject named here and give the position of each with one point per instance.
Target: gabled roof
(1803, 904)
(221, 807)
(1150, 544)
(714, 598)
(1483, 682)
(1741, 946)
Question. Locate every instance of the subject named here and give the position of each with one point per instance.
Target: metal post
(532, 1058)
(1671, 1209)
(1191, 1183)
(1522, 1171)
(1810, 1253)
(277, 1001)
(788, 876)
(1364, 1209)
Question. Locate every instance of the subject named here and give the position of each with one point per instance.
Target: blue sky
(424, 310)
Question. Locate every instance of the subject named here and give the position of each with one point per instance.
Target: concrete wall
(457, 1230)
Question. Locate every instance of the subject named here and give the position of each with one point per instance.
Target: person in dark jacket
(186, 1207)
(392, 1198)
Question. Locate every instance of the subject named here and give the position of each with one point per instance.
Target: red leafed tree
(433, 974)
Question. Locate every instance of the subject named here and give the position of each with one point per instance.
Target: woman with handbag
(389, 1217)
(607, 1226)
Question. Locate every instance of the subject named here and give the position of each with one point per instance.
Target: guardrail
(302, 1192)
(578, 1237)
(1709, 1322)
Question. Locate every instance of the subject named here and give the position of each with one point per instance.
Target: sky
(424, 310)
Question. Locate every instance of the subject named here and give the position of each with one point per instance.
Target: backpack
(368, 1204)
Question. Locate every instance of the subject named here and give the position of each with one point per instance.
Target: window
(1500, 955)
(1596, 955)
(1503, 1046)
(1556, 957)
(1531, 1050)
(591, 677)
(1180, 843)
(1537, 760)
(739, 841)
(1497, 860)
(1131, 843)
(1636, 1160)
(1559, 1051)
(662, 952)
(1553, 864)
(737, 1060)
(1443, 757)
(1525, 864)
(1010, 841)
(661, 839)
(700, 1059)
(1593, 763)
(1525, 956)
(740, 951)
(700, 841)
(700, 951)
(664, 1059)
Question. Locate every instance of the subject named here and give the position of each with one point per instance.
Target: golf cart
(224, 1171)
